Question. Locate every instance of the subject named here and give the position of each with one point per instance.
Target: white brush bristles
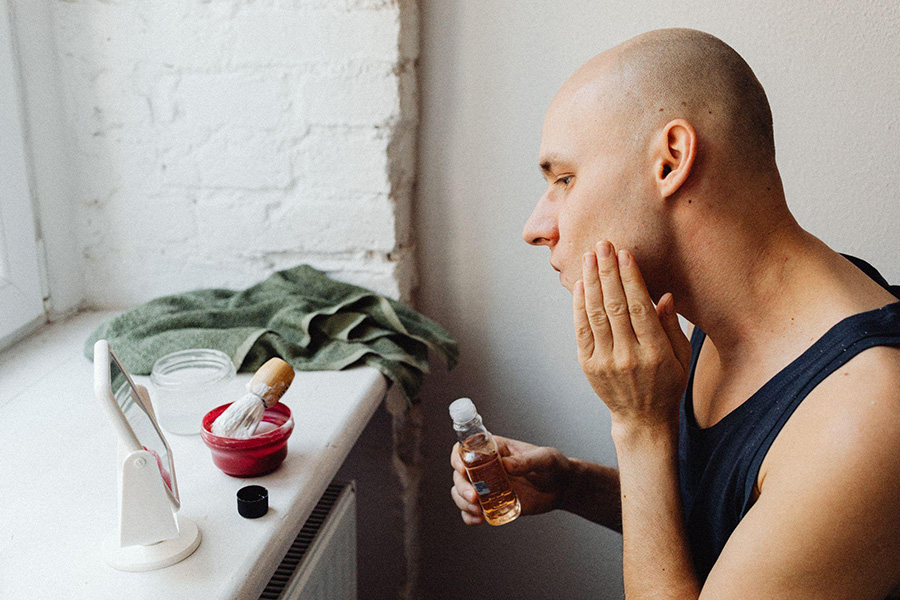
(241, 419)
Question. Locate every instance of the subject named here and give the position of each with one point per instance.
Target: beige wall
(488, 72)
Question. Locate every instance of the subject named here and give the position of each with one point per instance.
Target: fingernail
(624, 258)
(604, 249)
(470, 496)
(588, 258)
(670, 307)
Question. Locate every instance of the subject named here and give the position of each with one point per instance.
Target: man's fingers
(463, 504)
(538, 459)
(584, 337)
(465, 489)
(615, 303)
(455, 460)
(507, 446)
(669, 319)
(471, 519)
(593, 303)
(644, 319)
(469, 510)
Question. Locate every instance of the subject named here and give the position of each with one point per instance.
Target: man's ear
(677, 148)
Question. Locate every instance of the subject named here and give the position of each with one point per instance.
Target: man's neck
(746, 286)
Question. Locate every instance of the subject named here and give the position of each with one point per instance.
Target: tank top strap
(697, 337)
(687, 408)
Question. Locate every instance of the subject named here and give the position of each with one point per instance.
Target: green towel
(313, 322)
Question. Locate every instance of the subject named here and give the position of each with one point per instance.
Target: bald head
(648, 143)
(683, 73)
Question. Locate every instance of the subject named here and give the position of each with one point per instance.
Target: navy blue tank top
(719, 465)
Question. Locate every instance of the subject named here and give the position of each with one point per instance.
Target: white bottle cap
(462, 410)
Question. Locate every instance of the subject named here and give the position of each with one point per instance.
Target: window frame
(22, 291)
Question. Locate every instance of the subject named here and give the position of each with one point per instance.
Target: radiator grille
(299, 554)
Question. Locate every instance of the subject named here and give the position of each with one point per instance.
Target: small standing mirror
(150, 534)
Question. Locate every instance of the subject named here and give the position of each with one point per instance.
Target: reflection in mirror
(146, 431)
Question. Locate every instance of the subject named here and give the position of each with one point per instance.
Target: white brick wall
(214, 142)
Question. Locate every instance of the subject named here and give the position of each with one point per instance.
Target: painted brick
(335, 159)
(115, 103)
(339, 226)
(343, 5)
(371, 4)
(171, 32)
(216, 142)
(291, 37)
(160, 96)
(161, 271)
(115, 164)
(331, 4)
(372, 98)
(232, 157)
(229, 222)
(382, 281)
(135, 220)
(238, 99)
(132, 275)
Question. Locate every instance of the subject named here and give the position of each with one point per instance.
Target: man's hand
(636, 359)
(539, 476)
(635, 356)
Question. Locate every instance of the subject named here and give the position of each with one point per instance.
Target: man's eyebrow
(548, 161)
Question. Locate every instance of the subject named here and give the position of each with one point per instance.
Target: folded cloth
(300, 314)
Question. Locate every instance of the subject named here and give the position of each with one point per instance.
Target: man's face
(598, 182)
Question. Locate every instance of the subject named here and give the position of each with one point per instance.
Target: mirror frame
(103, 353)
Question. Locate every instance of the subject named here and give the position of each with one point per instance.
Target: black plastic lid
(253, 501)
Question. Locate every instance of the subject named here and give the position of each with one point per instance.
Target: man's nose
(541, 228)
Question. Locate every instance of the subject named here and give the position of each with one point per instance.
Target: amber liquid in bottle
(498, 501)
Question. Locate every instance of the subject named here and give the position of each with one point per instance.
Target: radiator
(321, 563)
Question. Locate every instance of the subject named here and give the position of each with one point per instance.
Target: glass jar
(188, 384)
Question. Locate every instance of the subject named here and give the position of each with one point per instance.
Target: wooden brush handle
(272, 380)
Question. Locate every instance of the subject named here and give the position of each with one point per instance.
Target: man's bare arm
(656, 558)
(636, 358)
(545, 479)
(593, 493)
(825, 524)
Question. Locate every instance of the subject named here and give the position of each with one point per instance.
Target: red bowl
(253, 456)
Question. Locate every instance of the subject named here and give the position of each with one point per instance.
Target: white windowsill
(59, 457)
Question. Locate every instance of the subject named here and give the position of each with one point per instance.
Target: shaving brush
(268, 385)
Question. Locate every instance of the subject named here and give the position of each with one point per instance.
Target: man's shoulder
(831, 498)
(853, 414)
(871, 378)
(862, 395)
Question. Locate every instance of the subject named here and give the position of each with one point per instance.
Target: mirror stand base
(155, 556)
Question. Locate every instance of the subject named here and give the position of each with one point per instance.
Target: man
(763, 462)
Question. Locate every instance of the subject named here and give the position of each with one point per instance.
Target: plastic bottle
(481, 458)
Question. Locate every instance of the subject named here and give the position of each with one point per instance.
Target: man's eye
(564, 180)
